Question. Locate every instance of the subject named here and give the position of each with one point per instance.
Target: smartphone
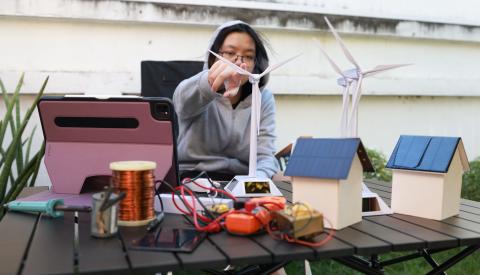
(169, 239)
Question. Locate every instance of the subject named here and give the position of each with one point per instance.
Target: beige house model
(427, 176)
(327, 174)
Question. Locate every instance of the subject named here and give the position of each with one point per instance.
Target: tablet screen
(170, 239)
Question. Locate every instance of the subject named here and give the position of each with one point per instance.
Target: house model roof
(329, 158)
(427, 153)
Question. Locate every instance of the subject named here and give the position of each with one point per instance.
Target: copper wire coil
(139, 189)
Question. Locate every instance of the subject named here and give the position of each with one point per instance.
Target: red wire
(290, 239)
(187, 180)
(215, 225)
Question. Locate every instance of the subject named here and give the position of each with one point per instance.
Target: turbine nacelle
(352, 74)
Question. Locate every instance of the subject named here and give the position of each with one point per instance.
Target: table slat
(466, 237)
(241, 250)
(282, 251)
(381, 193)
(475, 204)
(15, 231)
(206, 255)
(99, 255)
(462, 223)
(469, 216)
(364, 244)
(51, 250)
(149, 261)
(397, 239)
(469, 209)
(377, 182)
(433, 239)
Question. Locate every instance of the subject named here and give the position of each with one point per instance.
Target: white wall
(382, 119)
(96, 47)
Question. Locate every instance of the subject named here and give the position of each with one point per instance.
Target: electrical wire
(210, 223)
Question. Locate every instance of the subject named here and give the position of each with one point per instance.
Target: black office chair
(160, 78)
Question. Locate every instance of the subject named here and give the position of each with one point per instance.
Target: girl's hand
(221, 74)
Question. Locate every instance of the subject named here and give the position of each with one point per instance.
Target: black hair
(261, 56)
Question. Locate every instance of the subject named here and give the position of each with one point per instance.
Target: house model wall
(429, 190)
(327, 174)
(339, 200)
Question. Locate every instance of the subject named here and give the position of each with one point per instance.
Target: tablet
(83, 134)
(169, 239)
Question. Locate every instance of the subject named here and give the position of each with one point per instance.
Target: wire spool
(136, 179)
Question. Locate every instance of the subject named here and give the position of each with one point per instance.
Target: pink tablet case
(75, 153)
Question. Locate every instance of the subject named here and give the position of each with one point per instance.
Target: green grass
(470, 265)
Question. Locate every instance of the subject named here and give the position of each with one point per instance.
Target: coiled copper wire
(139, 189)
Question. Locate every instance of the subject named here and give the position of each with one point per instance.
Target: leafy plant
(471, 182)
(17, 167)
(378, 161)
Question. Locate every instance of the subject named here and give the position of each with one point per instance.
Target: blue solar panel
(423, 153)
(322, 158)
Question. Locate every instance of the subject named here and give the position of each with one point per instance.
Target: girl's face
(239, 47)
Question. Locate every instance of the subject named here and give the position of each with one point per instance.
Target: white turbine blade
(344, 117)
(233, 66)
(273, 67)
(333, 64)
(353, 121)
(347, 104)
(350, 104)
(342, 45)
(381, 68)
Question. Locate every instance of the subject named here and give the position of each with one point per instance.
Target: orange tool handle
(271, 203)
(243, 224)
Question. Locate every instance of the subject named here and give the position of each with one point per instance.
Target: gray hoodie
(215, 137)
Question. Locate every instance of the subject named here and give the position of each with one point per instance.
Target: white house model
(327, 174)
(427, 176)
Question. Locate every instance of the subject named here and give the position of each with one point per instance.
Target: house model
(427, 176)
(327, 174)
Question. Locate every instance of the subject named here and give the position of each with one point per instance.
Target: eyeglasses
(232, 56)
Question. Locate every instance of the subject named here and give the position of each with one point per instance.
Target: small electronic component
(257, 214)
(299, 221)
(245, 186)
(218, 208)
(242, 223)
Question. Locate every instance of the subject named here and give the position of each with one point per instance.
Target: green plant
(471, 182)
(378, 161)
(17, 167)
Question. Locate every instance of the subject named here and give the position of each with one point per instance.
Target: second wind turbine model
(352, 78)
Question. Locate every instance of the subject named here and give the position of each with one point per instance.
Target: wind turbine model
(251, 185)
(353, 77)
(349, 122)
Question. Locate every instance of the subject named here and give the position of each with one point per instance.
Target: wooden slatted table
(35, 244)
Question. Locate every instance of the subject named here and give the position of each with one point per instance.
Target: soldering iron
(52, 207)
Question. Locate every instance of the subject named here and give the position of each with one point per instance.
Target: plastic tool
(53, 207)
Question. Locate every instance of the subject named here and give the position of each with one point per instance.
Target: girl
(214, 108)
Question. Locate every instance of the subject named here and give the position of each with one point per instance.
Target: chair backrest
(160, 78)
(283, 156)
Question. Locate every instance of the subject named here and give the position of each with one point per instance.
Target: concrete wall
(96, 47)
